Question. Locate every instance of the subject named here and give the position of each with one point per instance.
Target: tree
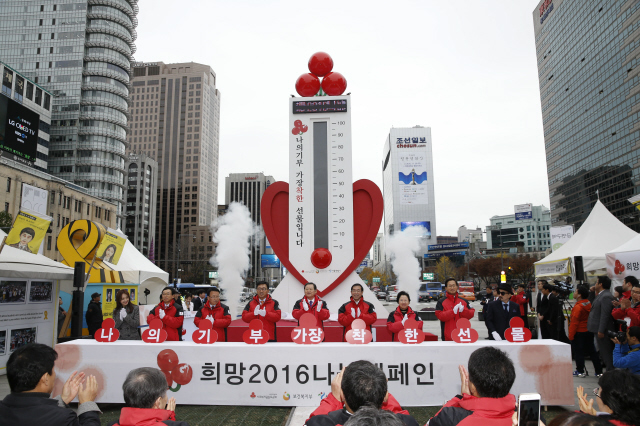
(367, 275)
(444, 269)
(6, 221)
(488, 269)
(522, 268)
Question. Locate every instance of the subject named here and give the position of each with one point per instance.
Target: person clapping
(127, 317)
(312, 304)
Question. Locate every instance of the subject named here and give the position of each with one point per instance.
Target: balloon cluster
(320, 65)
(299, 128)
(173, 370)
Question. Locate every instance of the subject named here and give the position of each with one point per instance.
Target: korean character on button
(358, 334)
(256, 335)
(230, 370)
(420, 370)
(399, 373)
(209, 372)
(298, 332)
(518, 334)
(465, 335)
(411, 335)
(314, 335)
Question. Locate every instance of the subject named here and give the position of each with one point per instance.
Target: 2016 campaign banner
(111, 246)
(287, 374)
(28, 231)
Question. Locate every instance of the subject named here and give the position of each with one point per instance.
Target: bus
(466, 290)
(430, 290)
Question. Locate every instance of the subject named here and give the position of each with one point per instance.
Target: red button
(321, 258)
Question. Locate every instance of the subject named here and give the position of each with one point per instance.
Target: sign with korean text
(412, 177)
(560, 267)
(452, 246)
(560, 235)
(445, 253)
(376, 279)
(620, 265)
(524, 211)
(428, 276)
(286, 374)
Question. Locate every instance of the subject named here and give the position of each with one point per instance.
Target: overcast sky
(467, 69)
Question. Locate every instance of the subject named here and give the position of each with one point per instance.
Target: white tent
(136, 268)
(16, 263)
(599, 234)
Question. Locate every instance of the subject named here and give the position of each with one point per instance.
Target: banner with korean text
(558, 267)
(560, 235)
(620, 265)
(287, 374)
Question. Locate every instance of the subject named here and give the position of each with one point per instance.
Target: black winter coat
(37, 409)
(93, 317)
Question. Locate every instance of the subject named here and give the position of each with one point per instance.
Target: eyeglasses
(596, 392)
(502, 293)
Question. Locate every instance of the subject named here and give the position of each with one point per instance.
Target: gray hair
(143, 386)
(369, 416)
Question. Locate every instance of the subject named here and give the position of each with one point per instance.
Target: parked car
(392, 293)
(381, 295)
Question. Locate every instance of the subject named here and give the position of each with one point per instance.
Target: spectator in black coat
(543, 308)
(499, 313)
(94, 314)
(199, 301)
(31, 375)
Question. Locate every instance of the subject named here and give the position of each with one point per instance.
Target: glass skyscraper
(588, 71)
(80, 51)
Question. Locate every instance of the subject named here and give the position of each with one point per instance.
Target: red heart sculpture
(155, 333)
(108, 332)
(463, 332)
(205, 334)
(358, 335)
(368, 207)
(308, 333)
(255, 335)
(517, 331)
(412, 333)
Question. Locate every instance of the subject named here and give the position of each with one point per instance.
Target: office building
(175, 119)
(247, 189)
(21, 92)
(142, 193)
(81, 53)
(532, 233)
(378, 250)
(446, 239)
(589, 78)
(469, 235)
(407, 171)
(26, 187)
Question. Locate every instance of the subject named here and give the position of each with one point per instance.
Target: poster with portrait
(28, 231)
(13, 292)
(412, 177)
(111, 246)
(41, 292)
(3, 342)
(22, 336)
(110, 293)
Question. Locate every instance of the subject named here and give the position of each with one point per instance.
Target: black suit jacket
(497, 319)
(197, 303)
(340, 417)
(37, 409)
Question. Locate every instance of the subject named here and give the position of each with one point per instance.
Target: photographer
(626, 354)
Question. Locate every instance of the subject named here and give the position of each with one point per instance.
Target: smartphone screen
(529, 412)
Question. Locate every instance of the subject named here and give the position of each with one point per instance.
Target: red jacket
(221, 316)
(444, 312)
(633, 313)
(473, 411)
(173, 319)
(394, 322)
(298, 310)
(522, 300)
(367, 314)
(329, 403)
(579, 317)
(146, 417)
(269, 320)
(626, 295)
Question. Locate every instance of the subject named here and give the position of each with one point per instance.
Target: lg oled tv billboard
(18, 129)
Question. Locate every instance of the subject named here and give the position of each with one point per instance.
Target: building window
(6, 207)
(49, 242)
(8, 184)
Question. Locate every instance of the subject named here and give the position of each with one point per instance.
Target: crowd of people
(40, 292)
(359, 396)
(13, 293)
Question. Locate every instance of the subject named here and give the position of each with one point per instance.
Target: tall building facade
(175, 119)
(470, 235)
(142, 193)
(589, 78)
(18, 88)
(407, 172)
(533, 234)
(247, 189)
(81, 52)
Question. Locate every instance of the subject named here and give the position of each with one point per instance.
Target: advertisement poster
(109, 293)
(560, 235)
(523, 211)
(18, 129)
(269, 261)
(111, 246)
(425, 225)
(35, 200)
(412, 177)
(28, 313)
(28, 231)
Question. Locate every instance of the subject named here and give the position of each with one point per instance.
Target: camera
(620, 335)
(564, 289)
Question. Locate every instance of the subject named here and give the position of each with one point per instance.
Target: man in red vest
(312, 304)
(264, 308)
(170, 313)
(356, 308)
(215, 312)
(451, 308)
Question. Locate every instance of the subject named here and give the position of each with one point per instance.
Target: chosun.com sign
(545, 9)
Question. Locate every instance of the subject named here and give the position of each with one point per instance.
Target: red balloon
(167, 360)
(307, 85)
(334, 84)
(320, 64)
